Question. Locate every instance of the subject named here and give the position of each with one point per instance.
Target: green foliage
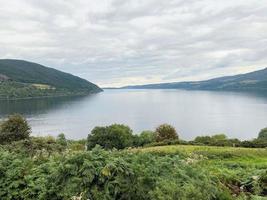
(203, 140)
(165, 142)
(100, 174)
(116, 136)
(35, 146)
(41, 168)
(48, 168)
(241, 170)
(256, 143)
(146, 137)
(77, 145)
(166, 132)
(263, 134)
(263, 183)
(216, 140)
(61, 139)
(13, 129)
(219, 137)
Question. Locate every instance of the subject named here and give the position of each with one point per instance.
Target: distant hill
(23, 79)
(253, 81)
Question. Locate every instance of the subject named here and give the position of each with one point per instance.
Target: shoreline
(44, 97)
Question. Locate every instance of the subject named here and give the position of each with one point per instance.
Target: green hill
(253, 81)
(22, 79)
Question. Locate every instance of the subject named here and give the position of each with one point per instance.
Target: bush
(115, 136)
(13, 129)
(166, 132)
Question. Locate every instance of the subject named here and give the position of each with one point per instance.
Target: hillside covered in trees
(22, 79)
(253, 81)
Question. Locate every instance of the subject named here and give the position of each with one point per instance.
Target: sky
(126, 42)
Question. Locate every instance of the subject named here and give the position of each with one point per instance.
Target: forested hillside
(22, 79)
(253, 81)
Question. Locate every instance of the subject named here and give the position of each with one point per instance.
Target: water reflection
(37, 106)
(193, 113)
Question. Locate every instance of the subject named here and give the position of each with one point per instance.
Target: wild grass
(236, 168)
(43, 86)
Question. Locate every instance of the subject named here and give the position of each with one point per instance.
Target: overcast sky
(121, 42)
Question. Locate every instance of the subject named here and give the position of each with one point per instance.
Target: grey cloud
(120, 42)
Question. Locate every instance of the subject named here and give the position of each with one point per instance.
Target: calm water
(193, 113)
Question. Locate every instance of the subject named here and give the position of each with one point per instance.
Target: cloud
(120, 42)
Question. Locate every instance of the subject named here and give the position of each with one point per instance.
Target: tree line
(119, 136)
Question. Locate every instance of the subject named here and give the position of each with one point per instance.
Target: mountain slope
(244, 82)
(20, 79)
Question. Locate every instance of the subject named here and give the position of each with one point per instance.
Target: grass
(235, 168)
(210, 152)
(252, 157)
(43, 86)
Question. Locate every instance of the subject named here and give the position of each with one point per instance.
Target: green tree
(203, 140)
(166, 132)
(219, 137)
(217, 140)
(147, 137)
(116, 136)
(14, 128)
(61, 139)
(263, 134)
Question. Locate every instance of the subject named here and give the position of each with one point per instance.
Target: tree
(203, 140)
(263, 134)
(14, 128)
(61, 139)
(147, 137)
(219, 137)
(116, 136)
(217, 140)
(166, 132)
(144, 138)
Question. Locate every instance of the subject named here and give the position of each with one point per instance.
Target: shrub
(115, 136)
(13, 129)
(166, 132)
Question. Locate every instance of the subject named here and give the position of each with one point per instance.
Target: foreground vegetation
(57, 168)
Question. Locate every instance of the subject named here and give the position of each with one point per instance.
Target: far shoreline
(45, 97)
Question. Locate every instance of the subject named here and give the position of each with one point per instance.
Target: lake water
(193, 113)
